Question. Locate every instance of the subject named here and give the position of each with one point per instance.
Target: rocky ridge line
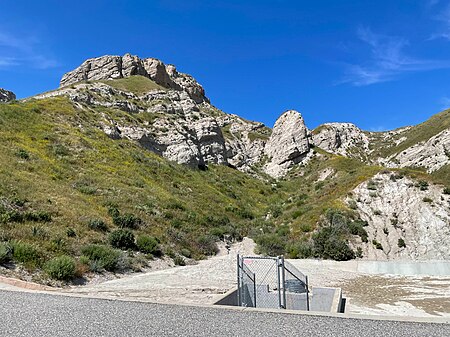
(230, 139)
(186, 129)
(6, 96)
(110, 67)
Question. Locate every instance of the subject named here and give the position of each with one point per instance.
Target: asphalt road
(36, 314)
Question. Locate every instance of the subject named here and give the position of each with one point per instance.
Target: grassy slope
(136, 84)
(416, 134)
(311, 198)
(74, 171)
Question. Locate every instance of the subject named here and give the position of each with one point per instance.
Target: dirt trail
(203, 283)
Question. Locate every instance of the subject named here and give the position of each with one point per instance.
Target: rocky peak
(288, 144)
(110, 67)
(6, 96)
(345, 139)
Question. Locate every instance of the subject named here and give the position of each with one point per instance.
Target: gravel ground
(206, 282)
(34, 314)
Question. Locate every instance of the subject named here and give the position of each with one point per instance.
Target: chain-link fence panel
(271, 282)
(247, 286)
(295, 291)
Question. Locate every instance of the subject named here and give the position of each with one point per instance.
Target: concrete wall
(395, 267)
(321, 299)
(229, 298)
(436, 268)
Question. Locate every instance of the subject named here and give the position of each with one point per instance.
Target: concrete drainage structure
(272, 282)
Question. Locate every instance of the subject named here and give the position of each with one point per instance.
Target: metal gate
(271, 282)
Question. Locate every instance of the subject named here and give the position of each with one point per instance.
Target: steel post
(283, 281)
(307, 293)
(239, 298)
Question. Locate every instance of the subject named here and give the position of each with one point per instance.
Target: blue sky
(380, 64)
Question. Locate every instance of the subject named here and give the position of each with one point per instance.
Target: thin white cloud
(23, 51)
(387, 60)
(8, 61)
(443, 31)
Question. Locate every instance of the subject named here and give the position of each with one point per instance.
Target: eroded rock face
(345, 139)
(184, 131)
(188, 83)
(6, 96)
(180, 131)
(197, 144)
(112, 67)
(431, 154)
(397, 209)
(244, 141)
(288, 145)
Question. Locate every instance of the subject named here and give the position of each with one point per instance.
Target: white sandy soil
(206, 282)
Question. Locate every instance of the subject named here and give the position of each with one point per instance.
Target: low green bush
(186, 253)
(372, 185)
(270, 244)
(207, 245)
(300, 250)
(39, 232)
(127, 221)
(17, 216)
(359, 252)
(58, 244)
(422, 185)
(122, 238)
(25, 253)
(377, 244)
(71, 232)
(39, 216)
(97, 225)
(329, 244)
(401, 243)
(101, 257)
(149, 245)
(61, 268)
(179, 261)
(5, 252)
(352, 204)
(357, 228)
(23, 154)
(306, 227)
